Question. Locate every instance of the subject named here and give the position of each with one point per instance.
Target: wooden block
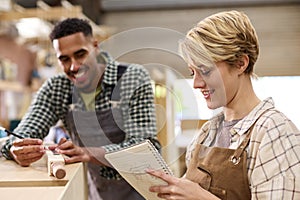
(55, 164)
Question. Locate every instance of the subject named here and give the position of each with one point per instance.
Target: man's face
(77, 57)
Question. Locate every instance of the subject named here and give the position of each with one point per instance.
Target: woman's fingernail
(149, 170)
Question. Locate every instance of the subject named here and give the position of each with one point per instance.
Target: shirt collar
(111, 70)
(244, 124)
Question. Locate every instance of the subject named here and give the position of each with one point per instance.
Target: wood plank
(34, 175)
(55, 13)
(32, 193)
(13, 86)
(34, 183)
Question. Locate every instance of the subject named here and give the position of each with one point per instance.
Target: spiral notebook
(132, 162)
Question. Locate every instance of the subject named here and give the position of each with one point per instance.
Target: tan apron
(95, 129)
(221, 171)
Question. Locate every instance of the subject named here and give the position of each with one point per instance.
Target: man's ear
(242, 63)
(95, 43)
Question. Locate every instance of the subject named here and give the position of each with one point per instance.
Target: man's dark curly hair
(70, 26)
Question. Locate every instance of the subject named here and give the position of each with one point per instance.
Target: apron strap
(235, 158)
(116, 96)
(202, 137)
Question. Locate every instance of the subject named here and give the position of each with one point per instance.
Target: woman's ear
(242, 63)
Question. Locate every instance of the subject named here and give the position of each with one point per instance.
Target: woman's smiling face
(218, 83)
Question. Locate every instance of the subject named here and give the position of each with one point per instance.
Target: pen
(21, 137)
(11, 133)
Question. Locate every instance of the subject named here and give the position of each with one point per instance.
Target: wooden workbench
(34, 183)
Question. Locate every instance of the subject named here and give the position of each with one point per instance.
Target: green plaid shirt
(52, 103)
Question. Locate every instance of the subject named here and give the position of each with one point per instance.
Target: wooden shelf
(53, 13)
(13, 86)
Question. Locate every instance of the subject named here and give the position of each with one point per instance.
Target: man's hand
(80, 154)
(26, 151)
(74, 152)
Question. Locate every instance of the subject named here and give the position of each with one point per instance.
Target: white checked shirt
(273, 151)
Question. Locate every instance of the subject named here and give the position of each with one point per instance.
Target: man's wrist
(6, 151)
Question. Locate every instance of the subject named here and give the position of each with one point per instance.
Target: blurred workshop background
(147, 32)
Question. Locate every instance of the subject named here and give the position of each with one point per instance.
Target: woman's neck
(242, 104)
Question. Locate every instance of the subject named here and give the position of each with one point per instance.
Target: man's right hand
(26, 151)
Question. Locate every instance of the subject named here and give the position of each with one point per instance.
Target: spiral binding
(159, 158)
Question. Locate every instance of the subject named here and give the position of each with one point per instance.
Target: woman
(250, 150)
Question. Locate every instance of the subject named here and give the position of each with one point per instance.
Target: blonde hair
(224, 36)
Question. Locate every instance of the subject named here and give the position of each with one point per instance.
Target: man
(101, 109)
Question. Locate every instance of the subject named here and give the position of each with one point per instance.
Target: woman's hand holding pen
(26, 151)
